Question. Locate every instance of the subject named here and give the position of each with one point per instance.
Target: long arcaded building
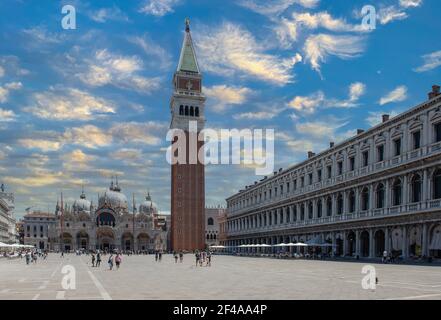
(379, 190)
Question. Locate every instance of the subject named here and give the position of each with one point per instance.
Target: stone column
(357, 242)
(387, 240)
(425, 191)
(405, 190)
(387, 194)
(334, 244)
(357, 200)
(371, 197)
(345, 246)
(371, 244)
(404, 247)
(424, 244)
(334, 205)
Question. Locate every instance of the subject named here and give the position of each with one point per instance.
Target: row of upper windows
(365, 161)
(396, 191)
(188, 111)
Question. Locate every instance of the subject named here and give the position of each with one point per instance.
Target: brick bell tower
(188, 179)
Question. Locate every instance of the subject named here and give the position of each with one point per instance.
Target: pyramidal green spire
(187, 60)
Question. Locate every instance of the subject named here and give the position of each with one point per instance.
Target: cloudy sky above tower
(79, 106)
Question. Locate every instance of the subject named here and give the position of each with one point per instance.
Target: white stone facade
(212, 229)
(8, 233)
(380, 190)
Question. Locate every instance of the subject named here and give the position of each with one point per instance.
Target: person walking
(160, 256)
(198, 257)
(110, 262)
(28, 257)
(98, 259)
(384, 256)
(62, 254)
(118, 260)
(176, 256)
(208, 259)
(181, 256)
(93, 260)
(156, 256)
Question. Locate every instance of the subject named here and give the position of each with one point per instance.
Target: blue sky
(78, 106)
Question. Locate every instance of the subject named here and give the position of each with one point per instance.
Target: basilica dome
(82, 204)
(114, 197)
(148, 206)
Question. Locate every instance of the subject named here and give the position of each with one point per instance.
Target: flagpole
(62, 223)
(133, 223)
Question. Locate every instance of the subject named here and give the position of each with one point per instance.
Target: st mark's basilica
(109, 225)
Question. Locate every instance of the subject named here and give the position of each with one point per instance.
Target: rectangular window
(302, 182)
(380, 153)
(416, 140)
(319, 175)
(275, 191)
(287, 187)
(340, 167)
(438, 132)
(310, 178)
(365, 158)
(281, 189)
(397, 147)
(295, 184)
(351, 163)
(329, 172)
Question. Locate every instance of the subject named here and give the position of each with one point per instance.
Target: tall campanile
(188, 179)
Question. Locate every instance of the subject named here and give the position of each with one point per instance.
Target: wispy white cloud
(397, 95)
(108, 14)
(230, 49)
(356, 90)
(89, 136)
(158, 8)
(320, 129)
(318, 47)
(149, 133)
(69, 104)
(223, 96)
(7, 88)
(41, 144)
(257, 115)
(121, 71)
(431, 61)
(7, 115)
(152, 49)
(410, 3)
(387, 14)
(309, 104)
(274, 8)
(40, 34)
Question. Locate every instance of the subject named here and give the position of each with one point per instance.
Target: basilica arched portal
(105, 239)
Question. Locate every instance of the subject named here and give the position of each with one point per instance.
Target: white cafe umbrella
(300, 244)
(280, 245)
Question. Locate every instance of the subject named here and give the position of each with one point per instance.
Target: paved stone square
(140, 277)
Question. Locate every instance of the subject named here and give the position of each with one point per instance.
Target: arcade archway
(82, 240)
(364, 244)
(105, 239)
